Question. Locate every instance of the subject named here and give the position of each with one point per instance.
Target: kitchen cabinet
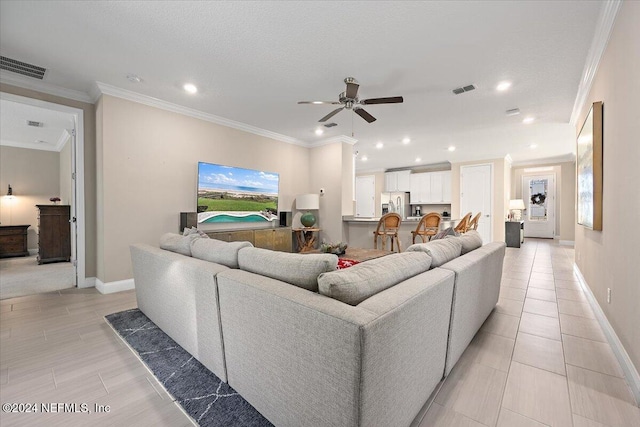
(398, 181)
(431, 188)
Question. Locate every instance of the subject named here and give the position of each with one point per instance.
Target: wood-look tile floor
(539, 360)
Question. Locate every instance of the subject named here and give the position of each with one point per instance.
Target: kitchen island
(359, 231)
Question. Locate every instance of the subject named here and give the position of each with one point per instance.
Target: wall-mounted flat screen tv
(231, 194)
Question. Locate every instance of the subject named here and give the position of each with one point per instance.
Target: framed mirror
(589, 169)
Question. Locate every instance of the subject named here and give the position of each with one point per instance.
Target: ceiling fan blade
(319, 102)
(331, 114)
(389, 100)
(352, 90)
(362, 113)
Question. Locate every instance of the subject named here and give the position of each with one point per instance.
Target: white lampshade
(308, 202)
(516, 204)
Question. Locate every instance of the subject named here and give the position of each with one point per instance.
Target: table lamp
(308, 202)
(516, 205)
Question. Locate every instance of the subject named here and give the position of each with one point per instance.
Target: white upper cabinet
(431, 188)
(397, 181)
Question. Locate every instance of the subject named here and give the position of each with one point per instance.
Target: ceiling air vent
(463, 89)
(35, 124)
(513, 112)
(330, 125)
(23, 68)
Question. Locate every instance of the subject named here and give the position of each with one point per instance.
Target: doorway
(366, 196)
(39, 162)
(476, 195)
(539, 194)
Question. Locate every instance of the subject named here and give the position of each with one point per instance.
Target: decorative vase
(308, 219)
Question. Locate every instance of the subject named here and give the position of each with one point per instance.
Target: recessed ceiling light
(316, 102)
(379, 145)
(364, 158)
(133, 78)
(319, 131)
(528, 120)
(418, 159)
(406, 140)
(451, 148)
(191, 88)
(502, 86)
(532, 146)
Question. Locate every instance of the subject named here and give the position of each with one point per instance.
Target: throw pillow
(470, 240)
(346, 263)
(212, 250)
(176, 243)
(194, 230)
(441, 251)
(301, 270)
(444, 233)
(356, 284)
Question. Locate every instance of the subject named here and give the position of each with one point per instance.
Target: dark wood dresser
(54, 237)
(13, 240)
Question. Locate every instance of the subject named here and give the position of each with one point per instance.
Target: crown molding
(570, 157)
(42, 86)
(365, 171)
(64, 137)
(599, 43)
(333, 140)
(105, 89)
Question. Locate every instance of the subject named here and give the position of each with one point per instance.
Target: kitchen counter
(376, 219)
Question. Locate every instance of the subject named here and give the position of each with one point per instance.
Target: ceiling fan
(349, 100)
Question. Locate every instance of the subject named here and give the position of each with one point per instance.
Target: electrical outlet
(608, 295)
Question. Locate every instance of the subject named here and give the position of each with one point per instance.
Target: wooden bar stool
(428, 226)
(473, 224)
(388, 227)
(463, 225)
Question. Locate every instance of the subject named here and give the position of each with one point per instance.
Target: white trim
(604, 27)
(333, 140)
(89, 282)
(111, 287)
(570, 157)
(566, 243)
(630, 371)
(42, 86)
(509, 159)
(78, 117)
(64, 137)
(106, 89)
(33, 252)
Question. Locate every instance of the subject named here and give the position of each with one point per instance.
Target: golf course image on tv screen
(232, 194)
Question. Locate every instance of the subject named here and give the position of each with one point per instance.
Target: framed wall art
(589, 169)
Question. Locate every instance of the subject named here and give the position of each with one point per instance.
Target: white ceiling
(252, 61)
(15, 132)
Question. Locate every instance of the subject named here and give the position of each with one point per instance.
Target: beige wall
(565, 194)
(501, 191)
(89, 165)
(34, 176)
(147, 169)
(609, 258)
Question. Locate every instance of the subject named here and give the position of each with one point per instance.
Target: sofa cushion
(176, 243)
(297, 269)
(194, 230)
(357, 283)
(212, 250)
(441, 251)
(470, 240)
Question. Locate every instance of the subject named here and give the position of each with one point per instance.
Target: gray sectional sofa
(308, 345)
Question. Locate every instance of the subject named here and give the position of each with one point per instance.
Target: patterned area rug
(206, 398)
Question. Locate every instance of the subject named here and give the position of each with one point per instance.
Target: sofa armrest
(179, 294)
(302, 358)
(477, 286)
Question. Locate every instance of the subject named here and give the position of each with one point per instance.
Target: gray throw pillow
(441, 251)
(444, 233)
(194, 230)
(176, 243)
(470, 240)
(355, 284)
(212, 250)
(301, 270)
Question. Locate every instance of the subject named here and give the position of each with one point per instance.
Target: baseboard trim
(566, 243)
(111, 287)
(630, 371)
(89, 282)
(33, 252)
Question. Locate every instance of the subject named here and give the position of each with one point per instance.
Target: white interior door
(366, 196)
(475, 196)
(539, 194)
